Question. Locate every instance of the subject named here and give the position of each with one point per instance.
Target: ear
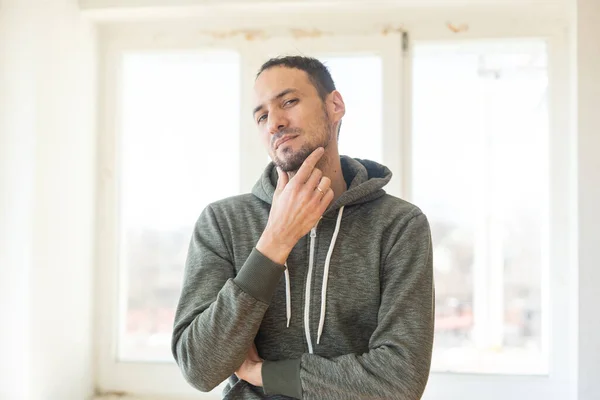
(337, 108)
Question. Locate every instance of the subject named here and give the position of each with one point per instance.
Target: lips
(283, 140)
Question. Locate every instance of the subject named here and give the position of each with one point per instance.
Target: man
(318, 285)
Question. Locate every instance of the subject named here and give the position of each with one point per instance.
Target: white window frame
(164, 380)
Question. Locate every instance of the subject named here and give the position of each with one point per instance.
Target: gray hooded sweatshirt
(351, 317)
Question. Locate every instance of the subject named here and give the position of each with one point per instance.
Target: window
(178, 128)
(480, 172)
(362, 127)
(178, 121)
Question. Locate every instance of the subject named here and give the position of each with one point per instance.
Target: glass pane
(480, 172)
(362, 126)
(180, 122)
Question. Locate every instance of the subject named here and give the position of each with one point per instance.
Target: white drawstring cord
(326, 274)
(288, 296)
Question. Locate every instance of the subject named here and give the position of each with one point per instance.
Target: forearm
(382, 373)
(210, 343)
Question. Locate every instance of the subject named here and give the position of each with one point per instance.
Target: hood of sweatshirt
(365, 180)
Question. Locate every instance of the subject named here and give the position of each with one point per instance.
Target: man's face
(291, 117)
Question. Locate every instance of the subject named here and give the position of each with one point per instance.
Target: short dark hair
(317, 72)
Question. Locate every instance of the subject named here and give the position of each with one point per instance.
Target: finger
(319, 194)
(315, 177)
(324, 183)
(309, 164)
(322, 187)
(326, 200)
(282, 180)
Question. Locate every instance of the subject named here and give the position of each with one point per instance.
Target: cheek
(296, 116)
(311, 118)
(265, 139)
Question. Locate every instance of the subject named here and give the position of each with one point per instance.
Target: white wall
(17, 136)
(586, 51)
(47, 154)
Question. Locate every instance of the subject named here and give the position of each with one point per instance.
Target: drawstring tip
(318, 339)
(288, 323)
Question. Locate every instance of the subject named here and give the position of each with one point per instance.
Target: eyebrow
(280, 95)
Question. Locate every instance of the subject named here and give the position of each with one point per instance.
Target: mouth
(283, 140)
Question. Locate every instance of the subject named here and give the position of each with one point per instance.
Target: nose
(277, 121)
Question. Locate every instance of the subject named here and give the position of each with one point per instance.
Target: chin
(291, 161)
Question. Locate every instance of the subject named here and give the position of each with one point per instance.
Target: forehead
(276, 79)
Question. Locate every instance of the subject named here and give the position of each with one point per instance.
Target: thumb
(282, 181)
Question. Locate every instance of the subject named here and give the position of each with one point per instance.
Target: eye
(261, 118)
(290, 102)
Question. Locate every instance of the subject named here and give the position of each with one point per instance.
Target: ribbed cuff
(282, 377)
(259, 276)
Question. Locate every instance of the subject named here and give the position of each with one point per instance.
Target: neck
(331, 167)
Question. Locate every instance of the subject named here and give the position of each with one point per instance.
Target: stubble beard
(292, 160)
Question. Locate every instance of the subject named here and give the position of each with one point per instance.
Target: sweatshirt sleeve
(398, 361)
(219, 313)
